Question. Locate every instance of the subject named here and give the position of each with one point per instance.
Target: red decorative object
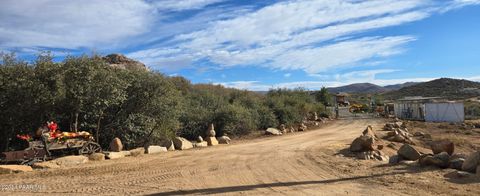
(24, 137)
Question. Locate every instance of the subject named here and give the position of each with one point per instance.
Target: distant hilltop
(444, 87)
(368, 88)
(123, 62)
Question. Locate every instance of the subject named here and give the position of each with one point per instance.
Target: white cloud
(71, 24)
(287, 75)
(277, 36)
(179, 5)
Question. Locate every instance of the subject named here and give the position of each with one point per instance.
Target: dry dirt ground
(304, 163)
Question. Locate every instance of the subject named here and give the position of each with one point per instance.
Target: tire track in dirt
(290, 164)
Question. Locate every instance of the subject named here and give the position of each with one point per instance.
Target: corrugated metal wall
(444, 112)
(410, 111)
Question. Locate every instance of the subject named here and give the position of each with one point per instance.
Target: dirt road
(296, 164)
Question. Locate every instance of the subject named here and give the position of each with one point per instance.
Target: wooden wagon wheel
(90, 148)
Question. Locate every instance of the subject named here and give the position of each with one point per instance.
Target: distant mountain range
(368, 88)
(443, 87)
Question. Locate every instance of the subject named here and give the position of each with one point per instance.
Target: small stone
(380, 147)
(392, 145)
(394, 159)
(199, 139)
(419, 134)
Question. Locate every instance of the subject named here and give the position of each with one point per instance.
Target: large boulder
(224, 140)
(181, 143)
(8, 169)
(408, 152)
(200, 144)
(71, 161)
(443, 159)
(211, 131)
(96, 157)
(114, 155)
(456, 163)
(362, 143)
(470, 164)
(155, 149)
(137, 152)
(45, 165)
(116, 145)
(212, 141)
(369, 132)
(273, 131)
(442, 146)
(168, 144)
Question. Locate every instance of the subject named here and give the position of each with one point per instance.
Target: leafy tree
(323, 96)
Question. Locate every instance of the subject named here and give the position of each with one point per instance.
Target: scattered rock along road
(293, 164)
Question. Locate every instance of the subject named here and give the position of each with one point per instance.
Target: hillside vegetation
(443, 87)
(86, 93)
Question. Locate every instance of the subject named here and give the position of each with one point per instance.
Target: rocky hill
(358, 88)
(123, 62)
(443, 87)
(399, 86)
(368, 88)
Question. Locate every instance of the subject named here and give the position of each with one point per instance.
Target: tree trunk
(98, 127)
(75, 124)
(7, 143)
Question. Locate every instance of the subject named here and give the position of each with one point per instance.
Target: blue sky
(258, 45)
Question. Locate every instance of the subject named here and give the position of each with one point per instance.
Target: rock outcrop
(122, 62)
